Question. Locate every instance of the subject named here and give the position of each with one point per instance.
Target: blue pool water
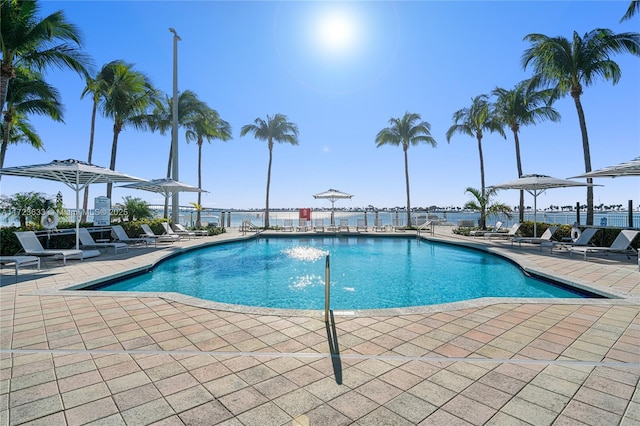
(366, 273)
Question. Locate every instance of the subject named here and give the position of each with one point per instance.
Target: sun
(336, 31)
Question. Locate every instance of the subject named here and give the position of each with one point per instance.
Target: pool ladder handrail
(424, 226)
(248, 226)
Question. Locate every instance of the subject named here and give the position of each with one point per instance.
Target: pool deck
(111, 359)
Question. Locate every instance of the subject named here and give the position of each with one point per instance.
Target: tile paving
(80, 358)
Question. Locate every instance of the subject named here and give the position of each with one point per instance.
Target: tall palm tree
(523, 106)
(161, 119)
(27, 94)
(633, 8)
(276, 128)
(97, 88)
(568, 65)
(406, 131)
(474, 121)
(205, 124)
(128, 96)
(33, 43)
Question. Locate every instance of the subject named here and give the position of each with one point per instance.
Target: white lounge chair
(32, 247)
(86, 240)
(19, 261)
(582, 241)
(198, 232)
(361, 226)
(511, 234)
(621, 244)
(318, 225)
(288, 225)
(344, 225)
(119, 234)
(481, 232)
(168, 230)
(147, 232)
(398, 225)
(378, 226)
(546, 236)
(302, 225)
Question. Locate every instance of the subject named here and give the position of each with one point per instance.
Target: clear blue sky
(379, 60)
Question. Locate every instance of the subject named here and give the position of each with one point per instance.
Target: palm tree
(128, 95)
(406, 131)
(569, 65)
(276, 128)
(482, 201)
(474, 121)
(25, 205)
(633, 8)
(27, 94)
(205, 124)
(523, 106)
(29, 42)
(97, 88)
(161, 119)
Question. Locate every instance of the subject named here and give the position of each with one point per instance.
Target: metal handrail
(424, 226)
(327, 292)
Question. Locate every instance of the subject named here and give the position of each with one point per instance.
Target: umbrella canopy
(76, 174)
(332, 195)
(164, 186)
(536, 185)
(629, 168)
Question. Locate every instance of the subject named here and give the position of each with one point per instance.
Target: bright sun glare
(336, 31)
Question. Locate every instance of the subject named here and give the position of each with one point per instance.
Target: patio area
(78, 359)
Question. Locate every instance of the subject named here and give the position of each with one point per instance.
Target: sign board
(101, 211)
(305, 214)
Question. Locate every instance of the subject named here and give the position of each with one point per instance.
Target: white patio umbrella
(164, 186)
(76, 174)
(536, 185)
(332, 195)
(629, 168)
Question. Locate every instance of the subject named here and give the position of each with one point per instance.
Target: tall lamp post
(175, 200)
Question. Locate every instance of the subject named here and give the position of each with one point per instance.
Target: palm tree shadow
(334, 349)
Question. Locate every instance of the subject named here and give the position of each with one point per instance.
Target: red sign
(305, 214)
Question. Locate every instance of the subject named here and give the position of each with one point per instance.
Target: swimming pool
(366, 273)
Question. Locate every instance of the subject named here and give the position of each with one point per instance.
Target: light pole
(175, 200)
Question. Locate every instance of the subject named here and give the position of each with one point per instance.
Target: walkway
(118, 360)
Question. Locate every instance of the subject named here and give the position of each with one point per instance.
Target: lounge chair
(19, 261)
(378, 226)
(197, 232)
(288, 225)
(147, 232)
(481, 232)
(398, 225)
(344, 225)
(168, 230)
(302, 225)
(583, 240)
(119, 234)
(86, 240)
(32, 247)
(546, 236)
(622, 244)
(318, 225)
(510, 234)
(361, 226)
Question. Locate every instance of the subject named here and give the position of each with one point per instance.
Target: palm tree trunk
(114, 150)
(406, 177)
(198, 217)
(85, 199)
(6, 133)
(483, 212)
(519, 164)
(587, 157)
(6, 73)
(266, 209)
